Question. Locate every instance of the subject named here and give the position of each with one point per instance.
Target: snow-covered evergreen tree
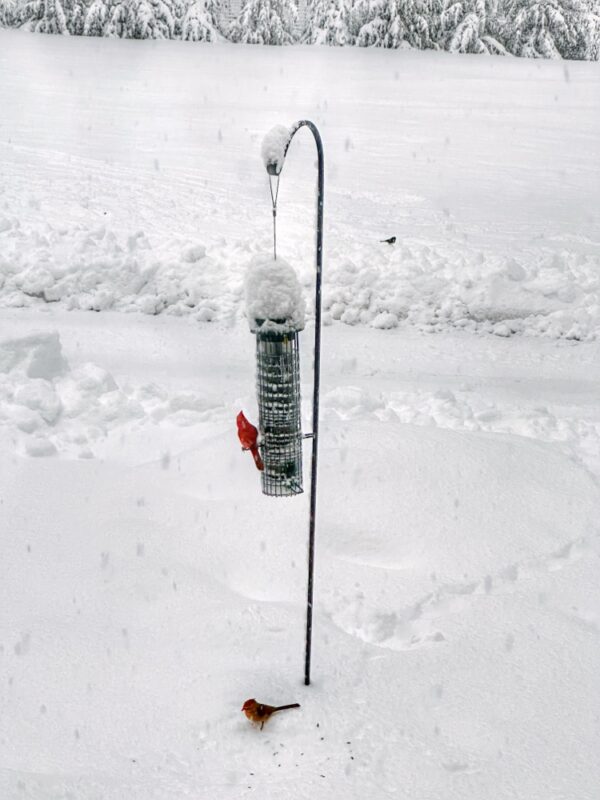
(467, 26)
(75, 12)
(393, 23)
(141, 19)
(265, 22)
(200, 22)
(154, 20)
(44, 16)
(536, 28)
(412, 21)
(368, 22)
(96, 18)
(8, 13)
(327, 22)
(591, 25)
(179, 9)
(546, 28)
(583, 21)
(116, 25)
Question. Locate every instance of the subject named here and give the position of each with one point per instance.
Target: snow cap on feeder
(274, 148)
(274, 300)
(275, 310)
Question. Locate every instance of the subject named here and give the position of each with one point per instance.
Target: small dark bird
(259, 712)
(391, 240)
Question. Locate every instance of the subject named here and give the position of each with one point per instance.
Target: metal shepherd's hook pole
(317, 369)
(317, 381)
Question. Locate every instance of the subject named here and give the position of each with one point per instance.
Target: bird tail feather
(257, 459)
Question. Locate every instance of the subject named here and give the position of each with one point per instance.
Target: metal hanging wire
(274, 195)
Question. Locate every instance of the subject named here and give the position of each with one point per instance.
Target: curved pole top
(272, 167)
(313, 128)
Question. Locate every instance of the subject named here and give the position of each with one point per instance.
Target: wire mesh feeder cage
(275, 310)
(278, 393)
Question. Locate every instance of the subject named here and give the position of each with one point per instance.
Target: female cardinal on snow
(248, 436)
(259, 712)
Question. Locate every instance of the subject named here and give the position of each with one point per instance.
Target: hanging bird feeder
(275, 310)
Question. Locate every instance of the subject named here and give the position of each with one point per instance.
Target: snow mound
(463, 410)
(274, 146)
(433, 288)
(193, 253)
(36, 356)
(52, 408)
(462, 505)
(95, 269)
(274, 299)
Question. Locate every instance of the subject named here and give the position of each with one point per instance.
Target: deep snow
(147, 588)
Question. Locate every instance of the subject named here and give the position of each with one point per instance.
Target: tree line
(567, 29)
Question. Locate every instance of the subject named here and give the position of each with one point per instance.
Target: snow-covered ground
(147, 588)
(131, 180)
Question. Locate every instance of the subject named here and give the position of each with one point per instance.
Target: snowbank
(534, 292)
(50, 408)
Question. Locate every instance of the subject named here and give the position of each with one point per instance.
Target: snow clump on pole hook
(274, 147)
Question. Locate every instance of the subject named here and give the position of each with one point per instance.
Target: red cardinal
(248, 436)
(260, 712)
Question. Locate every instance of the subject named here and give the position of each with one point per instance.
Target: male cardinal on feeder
(248, 436)
(259, 712)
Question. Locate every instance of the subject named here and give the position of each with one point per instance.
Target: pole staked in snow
(274, 151)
